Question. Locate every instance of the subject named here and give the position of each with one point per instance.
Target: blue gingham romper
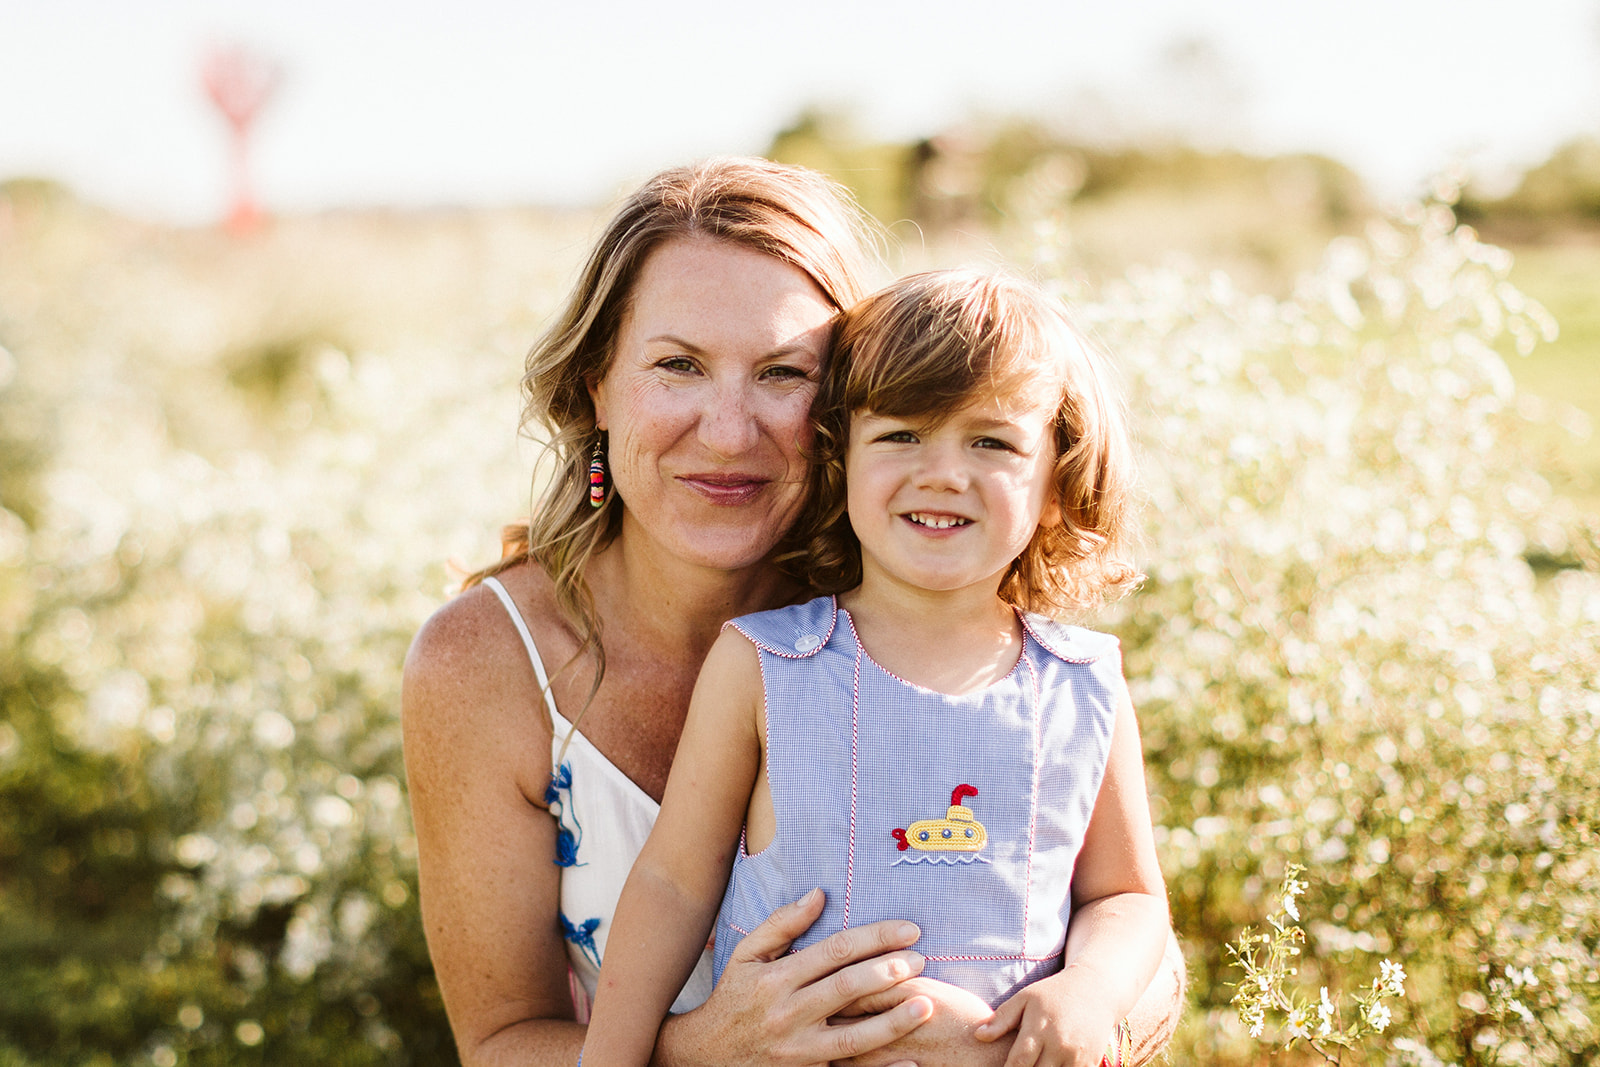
(962, 813)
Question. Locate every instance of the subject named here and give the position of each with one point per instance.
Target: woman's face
(707, 398)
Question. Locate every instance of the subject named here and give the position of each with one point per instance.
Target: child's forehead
(1036, 400)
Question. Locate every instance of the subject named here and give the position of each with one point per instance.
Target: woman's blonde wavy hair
(927, 345)
(793, 214)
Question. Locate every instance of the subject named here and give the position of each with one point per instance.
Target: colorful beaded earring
(597, 474)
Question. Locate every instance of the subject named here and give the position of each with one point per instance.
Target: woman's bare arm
(1154, 1019)
(477, 758)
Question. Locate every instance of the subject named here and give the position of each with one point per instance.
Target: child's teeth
(940, 522)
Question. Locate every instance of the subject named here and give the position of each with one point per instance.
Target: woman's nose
(728, 424)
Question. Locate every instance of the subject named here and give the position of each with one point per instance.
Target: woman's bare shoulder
(468, 681)
(472, 639)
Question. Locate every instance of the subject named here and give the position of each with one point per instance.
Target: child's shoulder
(1073, 644)
(793, 632)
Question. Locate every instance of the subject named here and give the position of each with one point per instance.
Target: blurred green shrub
(1023, 168)
(209, 573)
(1342, 657)
(1561, 192)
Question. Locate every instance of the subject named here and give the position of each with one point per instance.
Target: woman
(675, 388)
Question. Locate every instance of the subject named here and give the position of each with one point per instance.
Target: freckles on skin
(707, 399)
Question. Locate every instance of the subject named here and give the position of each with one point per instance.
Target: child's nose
(942, 469)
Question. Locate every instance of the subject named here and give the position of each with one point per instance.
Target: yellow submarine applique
(959, 832)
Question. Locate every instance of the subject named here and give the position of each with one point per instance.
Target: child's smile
(937, 522)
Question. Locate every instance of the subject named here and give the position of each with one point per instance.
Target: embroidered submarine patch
(956, 838)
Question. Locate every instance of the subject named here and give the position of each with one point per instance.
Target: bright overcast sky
(495, 101)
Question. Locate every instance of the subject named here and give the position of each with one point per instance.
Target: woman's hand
(774, 1008)
(948, 1039)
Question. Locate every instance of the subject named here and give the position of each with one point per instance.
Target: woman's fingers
(793, 996)
(838, 970)
(883, 1000)
(826, 983)
(845, 990)
(839, 950)
(772, 938)
(848, 1039)
(946, 1038)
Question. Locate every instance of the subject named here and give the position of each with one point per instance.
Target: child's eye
(898, 437)
(995, 442)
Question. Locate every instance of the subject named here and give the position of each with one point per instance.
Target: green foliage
(882, 176)
(206, 855)
(1559, 384)
(1267, 988)
(1562, 190)
(1343, 658)
(1023, 167)
(1342, 649)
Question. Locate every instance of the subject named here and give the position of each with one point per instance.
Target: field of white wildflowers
(235, 475)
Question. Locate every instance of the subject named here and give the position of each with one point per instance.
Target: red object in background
(240, 82)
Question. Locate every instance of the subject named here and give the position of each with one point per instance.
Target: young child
(927, 744)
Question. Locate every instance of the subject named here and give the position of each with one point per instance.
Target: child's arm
(1118, 930)
(675, 887)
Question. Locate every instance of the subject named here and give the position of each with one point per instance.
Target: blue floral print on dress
(582, 936)
(558, 798)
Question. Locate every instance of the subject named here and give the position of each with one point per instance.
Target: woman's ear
(1051, 515)
(597, 399)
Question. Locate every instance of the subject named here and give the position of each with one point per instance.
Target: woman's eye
(785, 372)
(682, 364)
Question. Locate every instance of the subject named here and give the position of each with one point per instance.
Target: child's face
(949, 507)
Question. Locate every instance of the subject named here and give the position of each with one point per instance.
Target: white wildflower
(1390, 976)
(1378, 1016)
(1325, 1014)
(1299, 1023)
(1292, 889)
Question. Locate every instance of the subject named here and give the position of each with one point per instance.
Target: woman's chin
(730, 557)
(737, 543)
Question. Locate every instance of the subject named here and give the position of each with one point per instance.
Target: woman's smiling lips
(726, 488)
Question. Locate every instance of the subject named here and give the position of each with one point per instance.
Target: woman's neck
(950, 642)
(675, 605)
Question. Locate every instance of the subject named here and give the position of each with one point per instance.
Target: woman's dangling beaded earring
(597, 474)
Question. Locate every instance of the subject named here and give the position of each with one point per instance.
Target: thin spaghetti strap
(527, 642)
